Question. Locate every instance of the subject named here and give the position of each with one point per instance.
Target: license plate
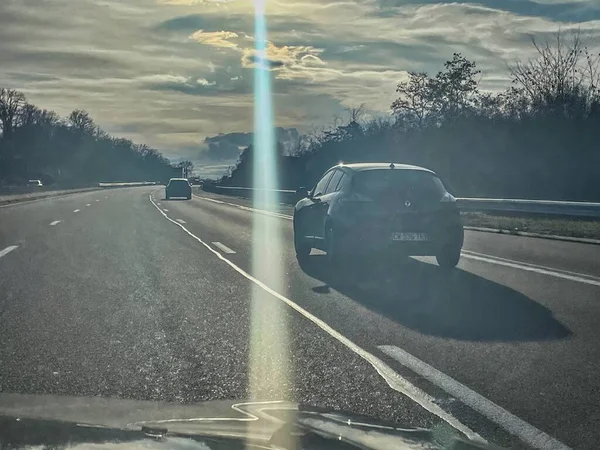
(410, 237)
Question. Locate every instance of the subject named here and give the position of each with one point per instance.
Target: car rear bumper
(178, 192)
(358, 241)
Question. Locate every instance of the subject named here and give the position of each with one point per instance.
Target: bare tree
(416, 98)
(81, 121)
(29, 115)
(356, 113)
(187, 168)
(11, 102)
(49, 118)
(563, 77)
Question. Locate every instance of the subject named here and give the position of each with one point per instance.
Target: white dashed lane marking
(180, 220)
(223, 248)
(165, 210)
(76, 210)
(56, 222)
(89, 204)
(7, 250)
(97, 199)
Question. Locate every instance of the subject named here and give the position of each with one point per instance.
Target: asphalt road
(123, 294)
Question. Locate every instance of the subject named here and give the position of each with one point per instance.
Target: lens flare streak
(269, 354)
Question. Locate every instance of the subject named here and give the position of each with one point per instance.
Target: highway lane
(116, 301)
(150, 313)
(19, 221)
(526, 340)
(561, 255)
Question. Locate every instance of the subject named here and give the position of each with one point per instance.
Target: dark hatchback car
(378, 208)
(178, 187)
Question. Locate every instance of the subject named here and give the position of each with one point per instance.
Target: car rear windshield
(389, 183)
(179, 182)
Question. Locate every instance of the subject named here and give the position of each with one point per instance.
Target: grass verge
(578, 228)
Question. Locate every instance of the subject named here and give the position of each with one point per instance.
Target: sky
(175, 74)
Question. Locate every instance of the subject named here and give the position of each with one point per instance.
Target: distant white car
(34, 183)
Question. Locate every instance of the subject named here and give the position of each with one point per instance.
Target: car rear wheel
(189, 197)
(448, 257)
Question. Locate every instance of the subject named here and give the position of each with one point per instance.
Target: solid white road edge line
(7, 250)
(511, 423)
(54, 223)
(180, 220)
(393, 379)
(76, 210)
(573, 276)
(224, 248)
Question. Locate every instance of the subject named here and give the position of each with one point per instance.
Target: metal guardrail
(540, 207)
(493, 205)
(247, 189)
(124, 184)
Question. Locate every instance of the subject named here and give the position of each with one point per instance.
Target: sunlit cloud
(216, 38)
(205, 82)
(289, 57)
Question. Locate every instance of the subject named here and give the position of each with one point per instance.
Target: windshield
(383, 208)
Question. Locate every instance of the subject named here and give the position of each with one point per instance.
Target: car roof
(178, 179)
(361, 167)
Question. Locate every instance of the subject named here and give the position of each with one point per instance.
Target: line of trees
(537, 139)
(38, 144)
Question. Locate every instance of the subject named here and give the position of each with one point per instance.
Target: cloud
(223, 39)
(171, 73)
(292, 58)
(165, 78)
(218, 153)
(194, 2)
(562, 11)
(228, 146)
(205, 82)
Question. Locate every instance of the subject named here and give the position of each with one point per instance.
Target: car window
(343, 182)
(381, 183)
(335, 179)
(322, 184)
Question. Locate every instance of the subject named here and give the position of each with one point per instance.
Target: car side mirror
(302, 192)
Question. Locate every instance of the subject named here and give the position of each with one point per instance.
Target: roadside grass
(580, 228)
